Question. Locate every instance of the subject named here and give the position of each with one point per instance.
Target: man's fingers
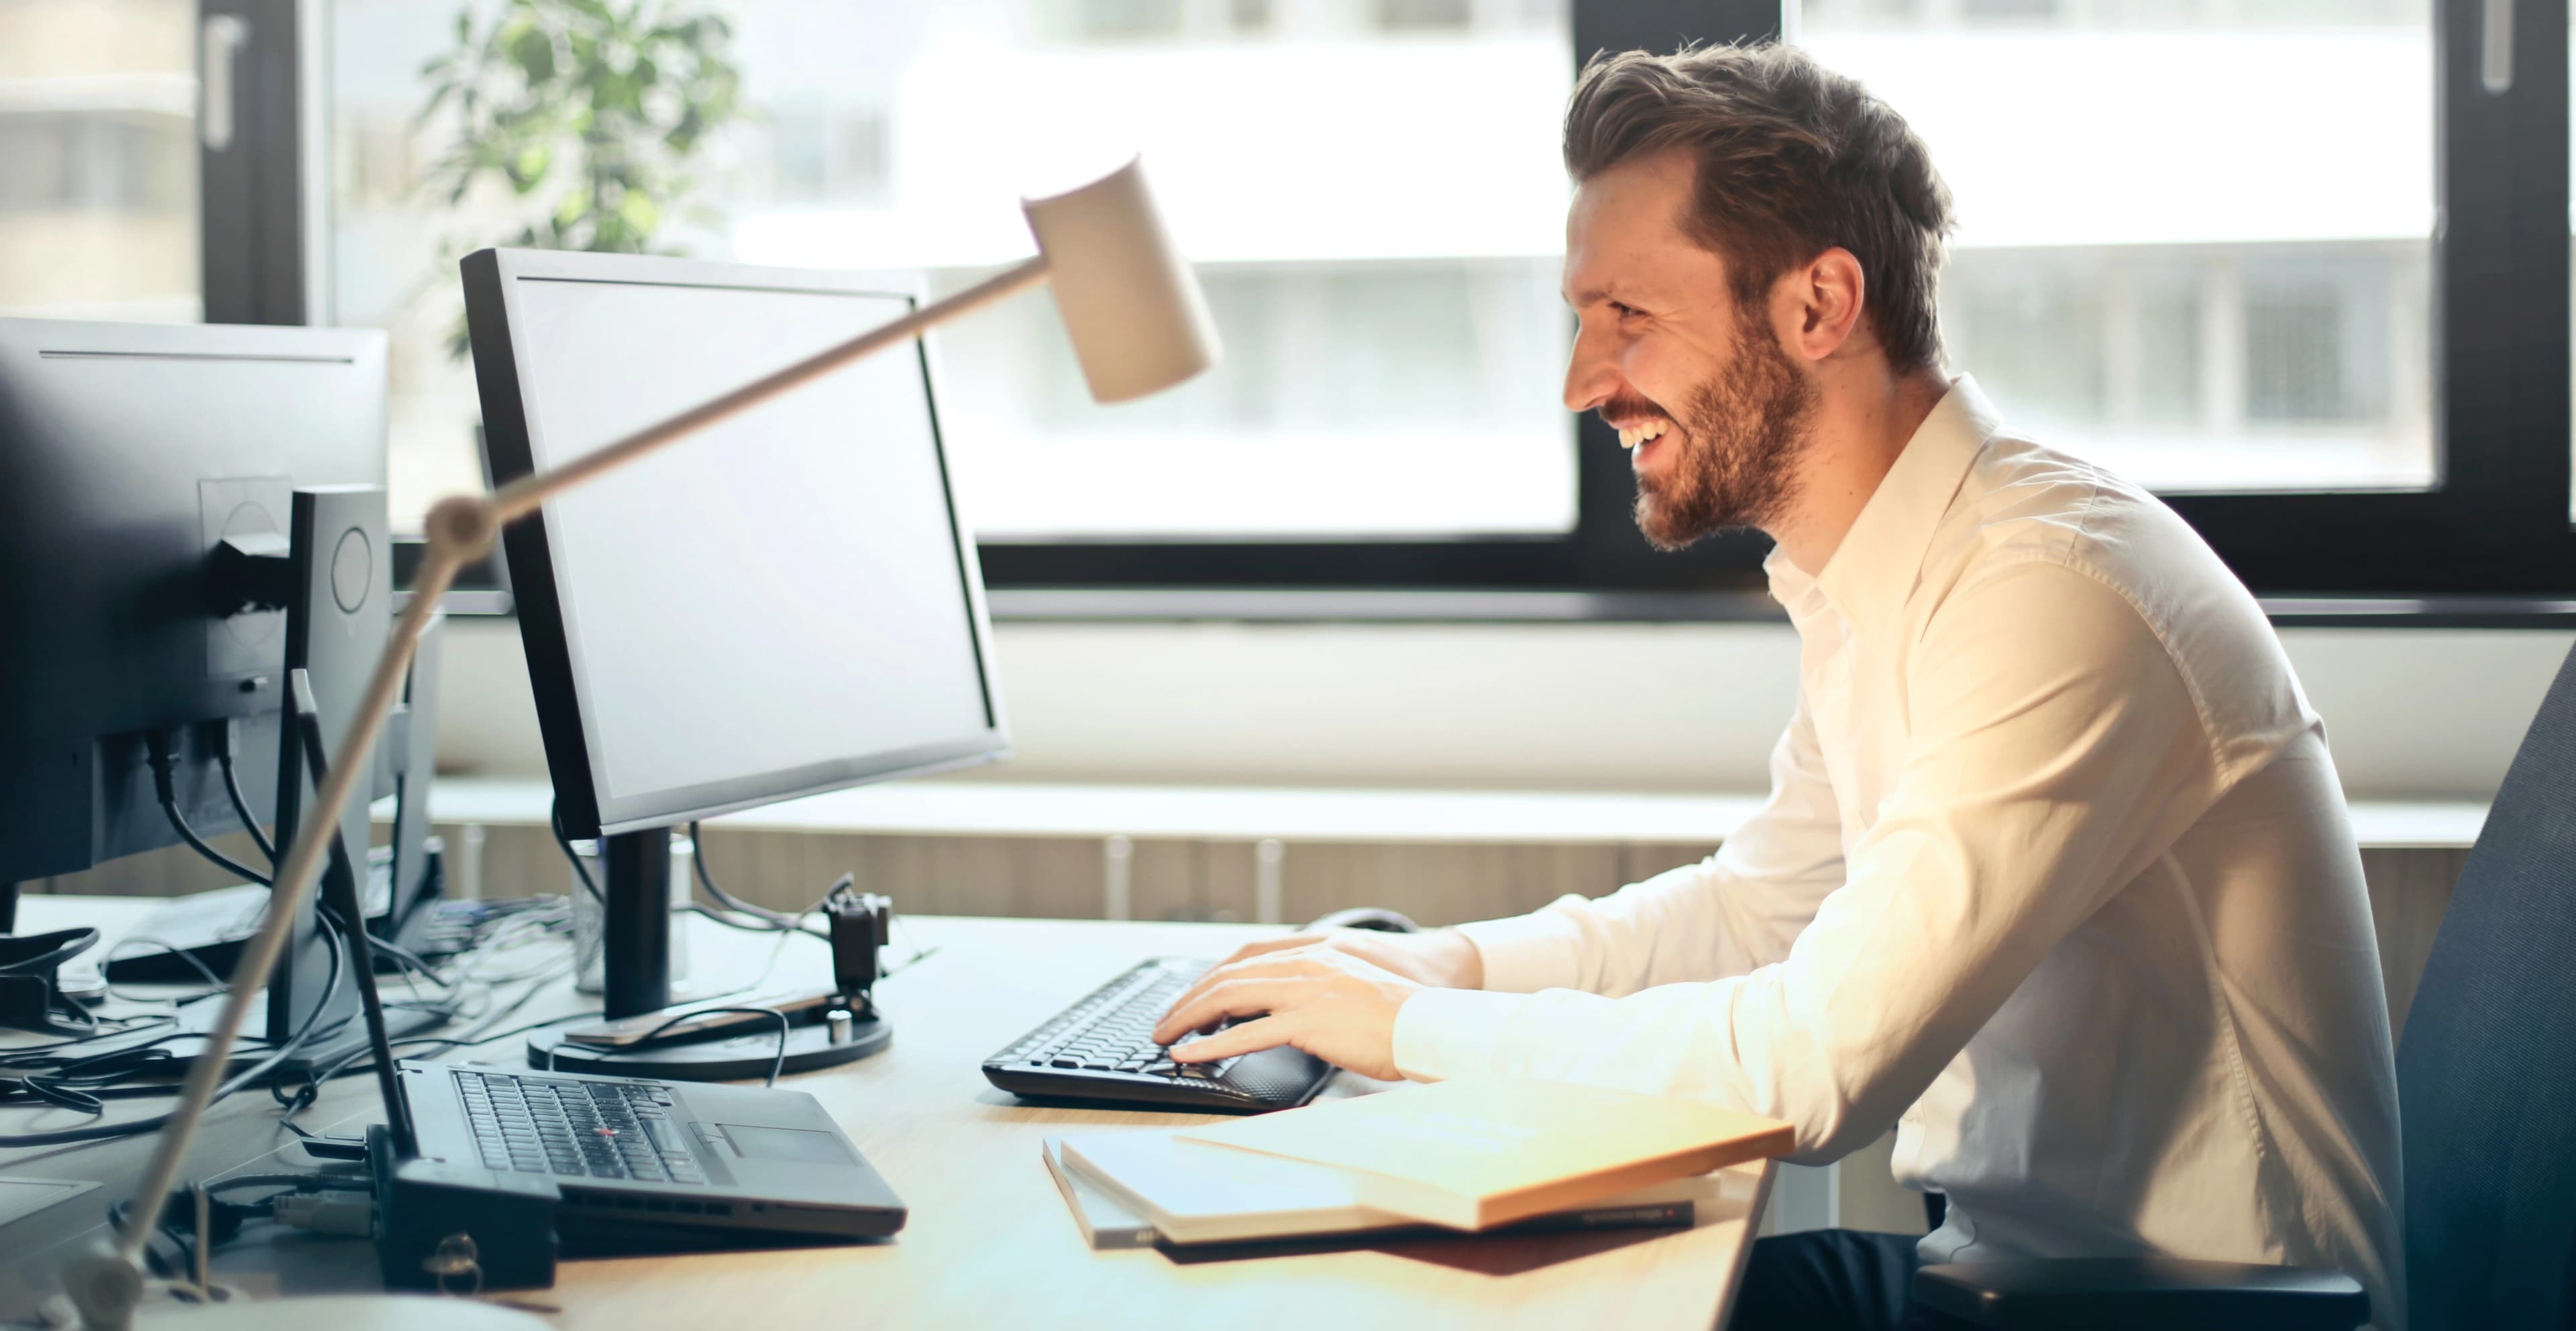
(1244, 1039)
(1232, 998)
(1230, 972)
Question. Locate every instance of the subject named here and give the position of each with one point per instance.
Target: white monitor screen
(780, 603)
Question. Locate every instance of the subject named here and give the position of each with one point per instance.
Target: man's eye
(1623, 311)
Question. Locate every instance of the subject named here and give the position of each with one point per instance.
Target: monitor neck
(635, 933)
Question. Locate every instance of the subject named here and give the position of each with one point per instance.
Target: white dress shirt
(2055, 878)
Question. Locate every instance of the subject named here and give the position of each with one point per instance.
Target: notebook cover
(1103, 1223)
(1194, 1193)
(1483, 1152)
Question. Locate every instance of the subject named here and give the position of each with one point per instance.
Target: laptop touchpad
(802, 1145)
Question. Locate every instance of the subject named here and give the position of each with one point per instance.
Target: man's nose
(1592, 375)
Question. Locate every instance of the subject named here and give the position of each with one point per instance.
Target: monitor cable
(585, 954)
(233, 791)
(554, 820)
(124, 1062)
(158, 744)
(768, 918)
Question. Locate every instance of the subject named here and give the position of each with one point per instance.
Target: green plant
(596, 115)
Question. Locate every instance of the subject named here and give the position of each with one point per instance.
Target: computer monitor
(128, 453)
(785, 605)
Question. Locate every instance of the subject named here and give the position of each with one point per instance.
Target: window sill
(991, 808)
(1264, 606)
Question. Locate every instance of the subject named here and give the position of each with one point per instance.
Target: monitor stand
(636, 980)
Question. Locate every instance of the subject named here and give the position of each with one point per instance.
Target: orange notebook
(1476, 1153)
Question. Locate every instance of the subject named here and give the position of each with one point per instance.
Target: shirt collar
(1874, 569)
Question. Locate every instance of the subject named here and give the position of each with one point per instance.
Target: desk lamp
(1139, 325)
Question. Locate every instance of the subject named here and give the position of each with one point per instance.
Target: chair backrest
(2486, 1071)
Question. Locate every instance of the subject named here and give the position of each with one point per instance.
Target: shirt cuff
(1445, 1033)
(1527, 953)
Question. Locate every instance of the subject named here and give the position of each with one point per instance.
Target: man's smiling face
(1696, 385)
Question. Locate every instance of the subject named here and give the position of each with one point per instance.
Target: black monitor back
(127, 452)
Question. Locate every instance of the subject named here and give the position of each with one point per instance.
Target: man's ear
(1827, 293)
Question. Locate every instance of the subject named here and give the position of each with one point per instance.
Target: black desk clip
(859, 924)
(31, 998)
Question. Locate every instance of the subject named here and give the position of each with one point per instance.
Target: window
(1381, 261)
(2198, 241)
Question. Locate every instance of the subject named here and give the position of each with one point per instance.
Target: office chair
(2486, 1093)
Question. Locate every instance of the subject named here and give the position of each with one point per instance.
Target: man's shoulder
(2023, 503)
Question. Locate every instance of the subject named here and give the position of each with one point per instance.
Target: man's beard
(1742, 435)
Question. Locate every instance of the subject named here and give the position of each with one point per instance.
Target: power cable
(158, 746)
(233, 790)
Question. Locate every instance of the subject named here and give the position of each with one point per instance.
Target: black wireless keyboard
(1102, 1049)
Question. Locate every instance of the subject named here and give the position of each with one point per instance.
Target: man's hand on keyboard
(1319, 998)
(1434, 958)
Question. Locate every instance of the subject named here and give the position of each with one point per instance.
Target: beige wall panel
(2409, 890)
(1440, 884)
(518, 861)
(1639, 861)
(1226, 882)
(1050, 877)
(1163, 880)
(924, 875)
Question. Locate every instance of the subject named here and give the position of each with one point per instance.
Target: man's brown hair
(1794, 159)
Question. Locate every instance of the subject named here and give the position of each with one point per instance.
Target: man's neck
(1857, 433)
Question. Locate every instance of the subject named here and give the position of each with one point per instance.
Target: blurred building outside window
(98, 160)
(2195, 236)
(1370, 187)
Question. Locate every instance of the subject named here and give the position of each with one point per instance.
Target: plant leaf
(534, 51)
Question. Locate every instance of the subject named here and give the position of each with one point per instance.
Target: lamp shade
(1131, 303)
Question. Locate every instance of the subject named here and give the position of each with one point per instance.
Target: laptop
(638, 1165)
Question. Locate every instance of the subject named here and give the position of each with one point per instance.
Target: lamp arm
(522, 496)
(460, 530)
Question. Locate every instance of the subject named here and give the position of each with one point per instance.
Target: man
(2055, 877)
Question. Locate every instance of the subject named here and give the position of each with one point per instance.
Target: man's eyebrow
(1591, 296)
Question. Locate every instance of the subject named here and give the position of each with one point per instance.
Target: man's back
(2203, 1066)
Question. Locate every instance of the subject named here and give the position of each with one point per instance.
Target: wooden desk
(989, 1242)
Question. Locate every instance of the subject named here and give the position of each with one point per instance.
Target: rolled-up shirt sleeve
(2053, 751)
(1726, 915)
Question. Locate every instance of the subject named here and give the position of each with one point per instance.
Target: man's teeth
(1631, 436)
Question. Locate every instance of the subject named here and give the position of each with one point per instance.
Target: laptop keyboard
(584, 1129)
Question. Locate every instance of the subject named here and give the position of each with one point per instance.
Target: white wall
(1611, 706)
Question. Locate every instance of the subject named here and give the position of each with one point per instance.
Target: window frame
(262, 232)
(2495, 524)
